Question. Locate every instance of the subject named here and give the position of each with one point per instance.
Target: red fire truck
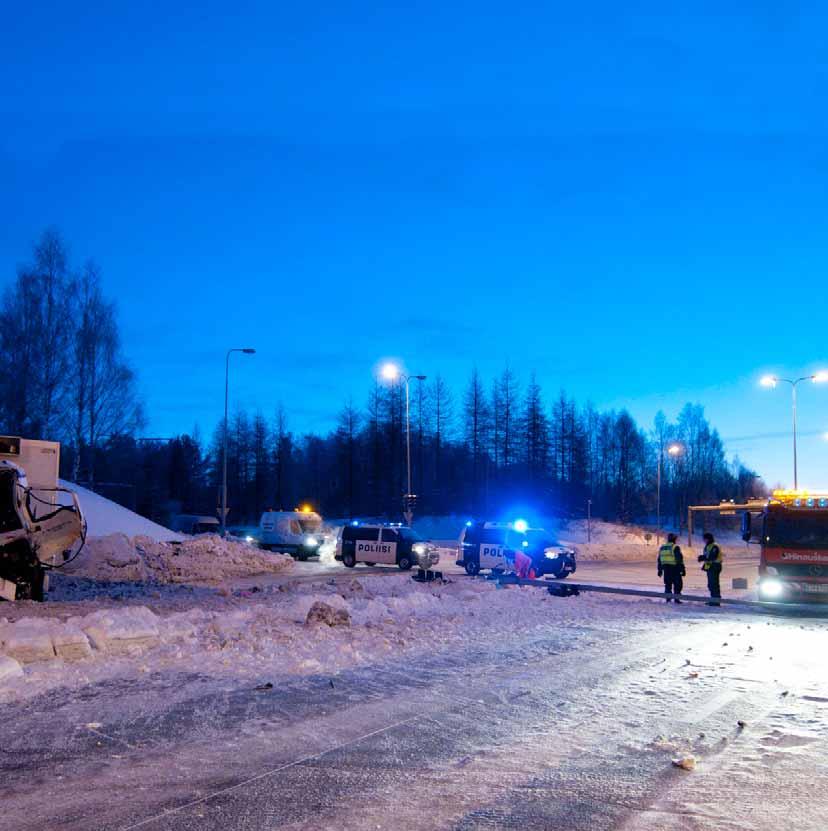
(792, 529)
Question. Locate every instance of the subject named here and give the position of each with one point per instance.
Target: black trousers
(673, 583)
(713, 580)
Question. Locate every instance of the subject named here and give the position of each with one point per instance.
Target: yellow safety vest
(667, 554)
(719, 557)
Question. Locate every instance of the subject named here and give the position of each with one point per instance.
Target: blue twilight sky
(629, 199)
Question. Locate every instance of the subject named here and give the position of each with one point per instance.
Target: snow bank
(9, 668)
(126, 631)
(207, 558)
(103, 517)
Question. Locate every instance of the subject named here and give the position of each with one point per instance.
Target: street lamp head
(675, 449)
(249, 351)
(419, 377)
(390, 372)
(768, 380)
(820, 377)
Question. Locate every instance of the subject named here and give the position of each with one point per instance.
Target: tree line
(496, 445)
(494, 449)
(63, 376)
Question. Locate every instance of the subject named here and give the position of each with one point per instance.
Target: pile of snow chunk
(9, 668)
(208, 558)
(123, 631)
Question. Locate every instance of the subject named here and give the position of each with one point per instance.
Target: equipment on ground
(41, 525)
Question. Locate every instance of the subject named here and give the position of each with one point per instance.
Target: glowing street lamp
(675, 449)
(391, 372)
(771, 381)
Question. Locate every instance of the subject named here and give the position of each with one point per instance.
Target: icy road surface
(568, 722)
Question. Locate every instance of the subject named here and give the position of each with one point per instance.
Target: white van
(298, 533)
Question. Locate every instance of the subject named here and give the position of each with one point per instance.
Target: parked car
(193, 524)
(389, 544)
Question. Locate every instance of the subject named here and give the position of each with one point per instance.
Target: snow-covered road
(527, 711)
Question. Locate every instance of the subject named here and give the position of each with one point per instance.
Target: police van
(493, 545)
(389, 544)
(486, 545)
(549, 557)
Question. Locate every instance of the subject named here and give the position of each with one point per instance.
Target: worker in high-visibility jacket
(671, 567)
(712, 559)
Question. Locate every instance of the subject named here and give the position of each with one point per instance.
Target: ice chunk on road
(28, 640)
(70, 643)
(121, 631)
(9, 668)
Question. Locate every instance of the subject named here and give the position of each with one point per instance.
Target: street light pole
(772, 381)
(658, 497)
(246, 351)
(673, 450)
(391, 372)
(408, 433)
(793, 409)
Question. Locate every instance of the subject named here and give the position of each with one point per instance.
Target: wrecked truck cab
(40, 529)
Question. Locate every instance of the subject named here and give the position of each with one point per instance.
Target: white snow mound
(205, 559)
(103, 517)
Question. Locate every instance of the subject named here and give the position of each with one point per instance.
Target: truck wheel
(370, 564)
(404, 562)
(348, 560)
(472, 568)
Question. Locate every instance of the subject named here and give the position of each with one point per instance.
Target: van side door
(492, 549)
(365, 544)
(389, 546)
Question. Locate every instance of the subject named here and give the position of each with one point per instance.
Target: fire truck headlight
(770, 588)
(311, 542)
(772, 570)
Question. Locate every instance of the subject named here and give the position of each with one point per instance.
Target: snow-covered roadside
(205, 558)
(294, 628)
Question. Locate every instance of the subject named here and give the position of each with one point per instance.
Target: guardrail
(568, 588)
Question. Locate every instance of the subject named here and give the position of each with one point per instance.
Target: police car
(549, 557)
(389, 544)
(486, 545)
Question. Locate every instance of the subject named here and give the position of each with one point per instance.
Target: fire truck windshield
(796, 530)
